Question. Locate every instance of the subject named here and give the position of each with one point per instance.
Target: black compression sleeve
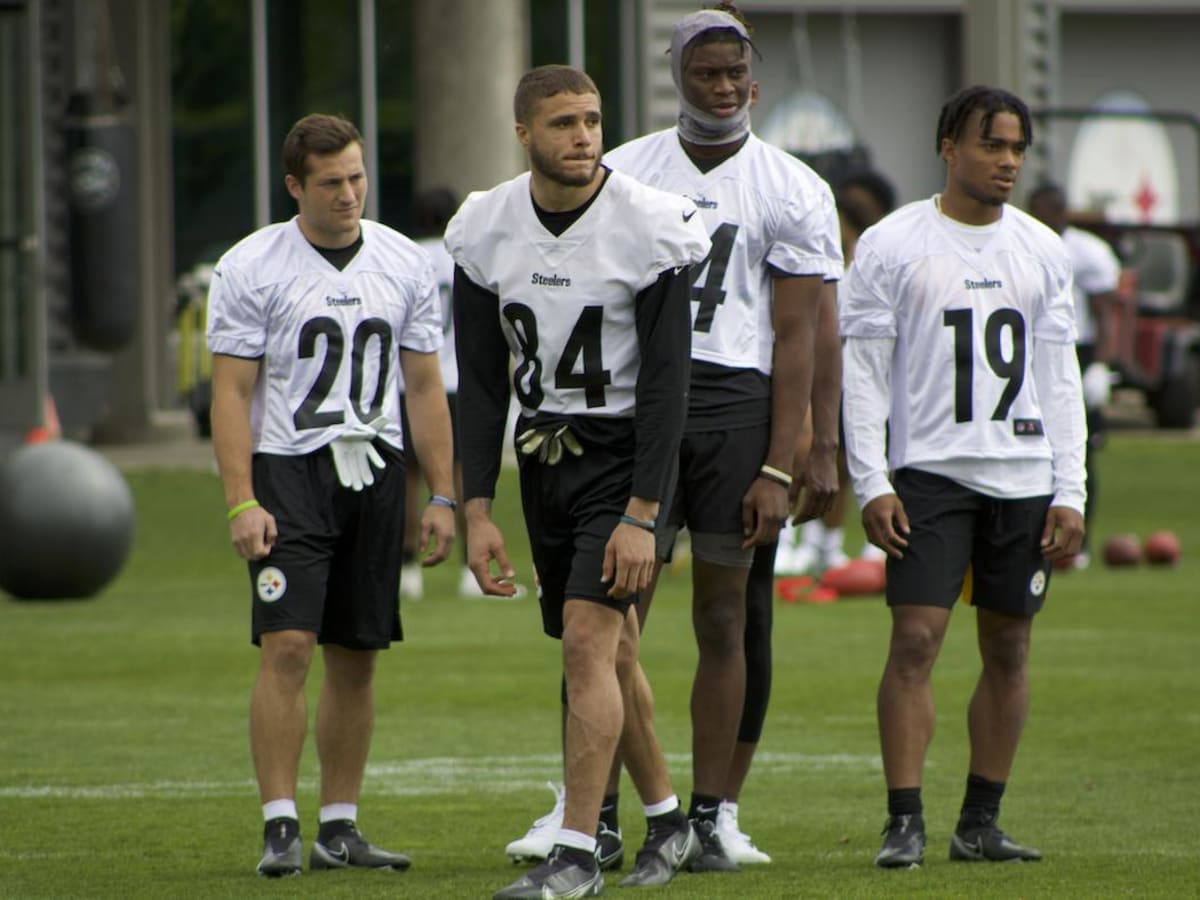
(483, 389)
(664, 330)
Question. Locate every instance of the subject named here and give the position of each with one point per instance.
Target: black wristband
(644, 524)
(439, 500)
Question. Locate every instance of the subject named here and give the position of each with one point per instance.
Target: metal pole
(370, 99)
(36, 246)
(262, 122)
(575, 51)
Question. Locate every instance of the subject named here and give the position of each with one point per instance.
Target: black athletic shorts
(410, 446)
(571, 509)
(966, 543)
(335, 567)
(716, 469)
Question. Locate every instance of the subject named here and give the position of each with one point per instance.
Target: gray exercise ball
(66, 521)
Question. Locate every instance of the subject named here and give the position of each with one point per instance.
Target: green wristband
(240, 508)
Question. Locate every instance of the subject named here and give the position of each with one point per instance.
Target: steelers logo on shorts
(271, 584)
(1037, 583)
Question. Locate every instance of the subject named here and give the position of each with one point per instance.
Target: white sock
(662, 807)
(279, 809)
(813, 534)
(833, 540)
(576, 840)
(337, 812)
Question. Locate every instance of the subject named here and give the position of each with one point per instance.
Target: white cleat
(467, 585)
(539, 839)
(734, 842)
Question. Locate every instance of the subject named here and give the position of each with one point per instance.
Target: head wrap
(696, 125)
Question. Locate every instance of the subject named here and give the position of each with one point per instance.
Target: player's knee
(287, 654)
(720, 629)
(1007, 660)
(913, 651)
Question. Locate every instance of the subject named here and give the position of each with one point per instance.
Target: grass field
(125, 770)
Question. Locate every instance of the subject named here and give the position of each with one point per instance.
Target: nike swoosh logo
(707, 810)
(342, 854)
(687, 216)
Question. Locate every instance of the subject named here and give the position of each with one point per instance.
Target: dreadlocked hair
(732, 9)
(958, 108)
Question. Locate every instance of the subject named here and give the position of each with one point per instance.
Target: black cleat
(348, 849)
(610, 848)
(281, 848)
(712, 856)
(558, 876)
(903, 843)
(983, 841)
(668, 848)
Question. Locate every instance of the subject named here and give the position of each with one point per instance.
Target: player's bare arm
(252, 530)
(817, 482)
(795, 303)
(430, 417)
(886, 524)
(485, 543)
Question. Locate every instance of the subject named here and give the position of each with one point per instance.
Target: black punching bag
(102, 184)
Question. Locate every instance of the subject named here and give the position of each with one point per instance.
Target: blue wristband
(439, 500)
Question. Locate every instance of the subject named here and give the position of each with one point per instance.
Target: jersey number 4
(1012, 368)
(711, 294)
(309, 414)
(582, 345)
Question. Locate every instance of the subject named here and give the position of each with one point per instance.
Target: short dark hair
(433, 210)
(991, 100)
(1050, 191)
(546, 81)
(316, 134)
(874, 183)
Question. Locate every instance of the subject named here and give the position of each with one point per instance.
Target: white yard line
(432, 775)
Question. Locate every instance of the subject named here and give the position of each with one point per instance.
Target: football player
(580, 276)
(959, 331)
(310, 322)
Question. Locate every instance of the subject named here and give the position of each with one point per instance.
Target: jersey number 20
(309, 414)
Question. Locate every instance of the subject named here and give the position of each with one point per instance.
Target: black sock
(333, 828)
(608, 811)
(982, 801)
(280, 826)
(581, 858)
(704, 807)
(905, 802)
(673, 819)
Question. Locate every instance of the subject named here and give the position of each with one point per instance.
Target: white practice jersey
(1097, 271)
(328, 340)
(443, 273)
(566, 303)
(764, 210)
(964, 322)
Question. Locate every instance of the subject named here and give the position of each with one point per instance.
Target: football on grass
(856, 577)
(1161, 548)
(1122, 550)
